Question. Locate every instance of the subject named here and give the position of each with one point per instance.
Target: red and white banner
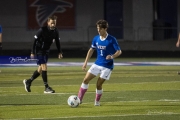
(38, 12)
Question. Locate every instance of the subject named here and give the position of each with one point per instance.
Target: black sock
(44, 77)
(34, 76)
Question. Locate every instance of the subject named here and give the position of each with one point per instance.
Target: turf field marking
(135, 101)
(149, 113)
(104, 84)
(54, 64)
(168, 100)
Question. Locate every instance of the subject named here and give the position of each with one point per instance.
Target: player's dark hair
(52, 18)
(102, 24)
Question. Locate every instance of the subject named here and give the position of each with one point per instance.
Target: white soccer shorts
(105, 73)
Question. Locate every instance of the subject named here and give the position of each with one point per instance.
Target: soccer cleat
(27, 85)
(80, 102)
(178, 72)
(96, 103)
(49, 90)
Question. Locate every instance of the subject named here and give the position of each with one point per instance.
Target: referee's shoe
(27, 85)
(49, 90)
(178, 72)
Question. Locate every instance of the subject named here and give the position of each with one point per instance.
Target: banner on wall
(38, 12)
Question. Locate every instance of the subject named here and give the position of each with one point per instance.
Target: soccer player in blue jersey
(107, 49)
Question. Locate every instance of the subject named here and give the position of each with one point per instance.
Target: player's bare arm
(88, 56)
(117, 53)
(178, 41)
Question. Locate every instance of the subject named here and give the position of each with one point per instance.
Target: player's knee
(40, 71)
(99, 86)
(86, 81)
(43, 67)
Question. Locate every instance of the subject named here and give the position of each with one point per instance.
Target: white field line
(105, 84)
(102, 116)
(170, 101)
(55, 64)
(161, 100)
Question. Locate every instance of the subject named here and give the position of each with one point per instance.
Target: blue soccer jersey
(105, 47)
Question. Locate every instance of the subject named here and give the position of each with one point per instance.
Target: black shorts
(42, 59)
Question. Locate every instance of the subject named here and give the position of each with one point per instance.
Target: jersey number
(101, 52)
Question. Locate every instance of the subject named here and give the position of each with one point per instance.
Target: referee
(42, 41)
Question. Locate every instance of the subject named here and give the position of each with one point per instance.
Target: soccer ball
(73, 101)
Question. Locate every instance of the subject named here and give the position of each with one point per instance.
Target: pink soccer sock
(98, 94)
(82, 91)
(98, 97)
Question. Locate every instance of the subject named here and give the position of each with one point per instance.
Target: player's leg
(92, 72)
(27, 82)
(99, 91)
(85, 85)
(35, 75)
(44, 75)
(39, 69)
(104, 75)
(48, 89)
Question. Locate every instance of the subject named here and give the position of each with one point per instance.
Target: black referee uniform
(42, 43)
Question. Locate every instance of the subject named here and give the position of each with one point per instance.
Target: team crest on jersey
(40, 10)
